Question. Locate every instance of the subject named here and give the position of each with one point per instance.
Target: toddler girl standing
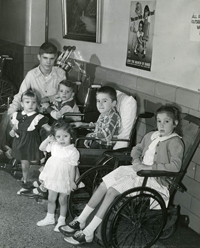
(160, 150)
(59, 173)
(25, 130)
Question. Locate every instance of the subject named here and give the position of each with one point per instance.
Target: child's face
(165, 124)
(63, 137)
(29, 104)
(104, 103)
(65, 93)
(47, 61)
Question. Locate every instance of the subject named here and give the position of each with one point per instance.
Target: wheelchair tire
(7, 89)
(91, 180)
(135, 219)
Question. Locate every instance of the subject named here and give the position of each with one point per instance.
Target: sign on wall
(195, 27)
(140, 38)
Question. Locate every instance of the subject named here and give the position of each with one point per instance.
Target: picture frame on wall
(81, 20)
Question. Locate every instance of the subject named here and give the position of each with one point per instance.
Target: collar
(38, 73)
(28, 114)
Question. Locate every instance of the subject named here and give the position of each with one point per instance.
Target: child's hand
(87, 143)
(73, 186)
(51, 138)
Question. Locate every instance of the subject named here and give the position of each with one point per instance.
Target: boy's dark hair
(69, 84)
(174, 113)
(146, 9)
(48, 47)
(64, 125)
(29, 93)
(108, 90)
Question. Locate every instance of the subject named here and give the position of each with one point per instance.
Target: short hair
(63, 125)
(48, 47)
(30, 93)
(108, 90)
(69, 84)
(172, 112)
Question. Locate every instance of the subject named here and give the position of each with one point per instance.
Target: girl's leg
(25, 170)
(50, 218)
(79, 223)
(63, 211)
(96, 221)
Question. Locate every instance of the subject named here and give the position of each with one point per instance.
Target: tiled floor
(18, 217)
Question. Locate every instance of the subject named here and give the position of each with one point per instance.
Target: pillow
(127, 108)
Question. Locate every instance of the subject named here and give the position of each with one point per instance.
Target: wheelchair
(139, 216)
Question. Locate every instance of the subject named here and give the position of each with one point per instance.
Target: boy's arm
(56, 114)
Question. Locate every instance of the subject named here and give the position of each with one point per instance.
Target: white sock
(85, 213)
(89, 230)
(50, 216)
(61, 219)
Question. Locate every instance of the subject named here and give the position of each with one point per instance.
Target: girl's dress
(125, 178)
(27, 139)
(56, 173)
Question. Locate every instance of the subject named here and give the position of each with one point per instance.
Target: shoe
(56, 229)
(28, 193)
(79, 238)
(71, 228)
(28, 185)
(36, 184)
(45, 222)
(21, 191)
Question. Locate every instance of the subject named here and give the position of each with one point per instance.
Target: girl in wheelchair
(159, 150)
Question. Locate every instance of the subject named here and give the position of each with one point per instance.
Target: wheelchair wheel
(7, 89)
(91, 180)
(135, 219)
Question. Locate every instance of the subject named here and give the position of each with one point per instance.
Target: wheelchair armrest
(121, 154)
(72, 114)
(157, 173)
(146, 115)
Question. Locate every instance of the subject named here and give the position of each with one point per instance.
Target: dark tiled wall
(24, 59)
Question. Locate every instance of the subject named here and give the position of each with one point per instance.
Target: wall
(175, 57)
(23, 21)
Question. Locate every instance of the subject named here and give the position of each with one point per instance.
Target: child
(108, 123)
(64, 102)
(25, 130)
(160, 150)
(139, 41)
(59, 173)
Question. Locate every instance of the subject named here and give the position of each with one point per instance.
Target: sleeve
(49, 146)
(107, 130)
(74, 158)
(44, 120)
(175, 152)
(55, 113)
(16, 103)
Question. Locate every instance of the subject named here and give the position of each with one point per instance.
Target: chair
(139, 216)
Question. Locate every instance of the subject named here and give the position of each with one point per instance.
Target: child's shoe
(46, 221)
(72, 227)
(56, 229)
(21, 190)
(79, 238)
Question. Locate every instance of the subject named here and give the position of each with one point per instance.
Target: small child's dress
(27, 139)
(56, 172)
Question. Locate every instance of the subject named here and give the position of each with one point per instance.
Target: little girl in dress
(60, 171)
(26, 133)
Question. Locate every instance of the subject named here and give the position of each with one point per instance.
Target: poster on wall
(140, 37)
